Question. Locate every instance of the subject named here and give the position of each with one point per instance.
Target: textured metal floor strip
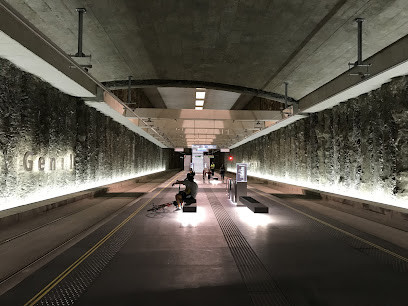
(75, 284)
(260, 285)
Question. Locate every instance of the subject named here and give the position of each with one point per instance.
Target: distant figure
(189, 194)
(212, 167)
(205, 171)
(222, 172)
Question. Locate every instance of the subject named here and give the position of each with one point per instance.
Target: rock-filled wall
(53, 144)
(358, 148)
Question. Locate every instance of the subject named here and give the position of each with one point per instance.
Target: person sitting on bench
(191, 172)
(189, 194)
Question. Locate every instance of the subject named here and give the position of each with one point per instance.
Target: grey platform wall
(359, 148)
(38, 121)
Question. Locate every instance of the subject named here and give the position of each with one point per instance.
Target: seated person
(191, 172)
(189, 194)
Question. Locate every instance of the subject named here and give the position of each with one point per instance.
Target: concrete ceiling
(256, 44)
(253, 44)
(184, 98)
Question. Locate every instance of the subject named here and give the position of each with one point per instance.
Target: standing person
(212, 167)
(204, 173)
(189, 194)
(222, 172)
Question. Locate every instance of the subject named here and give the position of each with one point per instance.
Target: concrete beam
(241, 102)
(199, 84)
(110, 105)
(269, 129)
(212, 126)
(388, 63)
(154, 96)
(211, 114)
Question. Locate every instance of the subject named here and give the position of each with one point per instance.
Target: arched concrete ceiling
(254, 44)
(250, 45)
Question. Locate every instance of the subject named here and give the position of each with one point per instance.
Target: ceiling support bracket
(359, 62)
(290, 109)
(81, 11)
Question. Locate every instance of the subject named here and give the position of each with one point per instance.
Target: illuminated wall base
(52, 192)
(377, 197)
(357, 149)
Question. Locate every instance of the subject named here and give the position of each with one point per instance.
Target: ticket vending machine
(238, 187)
(241, 182)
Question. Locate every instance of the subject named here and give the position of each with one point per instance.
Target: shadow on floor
(308, 196)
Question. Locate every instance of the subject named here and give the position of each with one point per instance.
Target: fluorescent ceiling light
(199, 102)
(199, 107)
(200, 95)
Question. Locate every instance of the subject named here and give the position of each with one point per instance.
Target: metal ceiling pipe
(129, 90)
(286, 94)
(81, 12)
(360, 40)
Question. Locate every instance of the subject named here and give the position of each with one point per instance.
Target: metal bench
(253, 205)
(190, 208)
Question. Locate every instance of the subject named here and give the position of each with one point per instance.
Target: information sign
(242, 173)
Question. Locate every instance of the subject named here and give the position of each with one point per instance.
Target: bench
(190, 208)
(253, 205)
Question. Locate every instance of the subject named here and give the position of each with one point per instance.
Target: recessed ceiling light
(199, 102)
(199, 107)
(200, 95)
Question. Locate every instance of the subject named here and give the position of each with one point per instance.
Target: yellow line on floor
(332, 226)
(60, 277)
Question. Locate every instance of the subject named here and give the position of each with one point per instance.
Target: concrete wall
(53, 144)
(359, 148)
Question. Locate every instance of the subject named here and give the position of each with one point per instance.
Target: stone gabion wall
(359, 148)
(89, 148)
